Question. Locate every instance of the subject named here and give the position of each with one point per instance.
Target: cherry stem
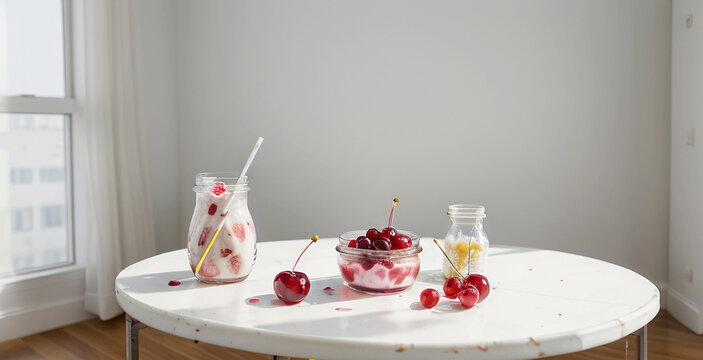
(447, 256)
(390, 218)
(312, 240)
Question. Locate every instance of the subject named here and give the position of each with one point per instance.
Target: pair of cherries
(470, 290)
(386, 239)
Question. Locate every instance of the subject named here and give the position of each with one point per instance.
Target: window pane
(33, 206)
(31, 48)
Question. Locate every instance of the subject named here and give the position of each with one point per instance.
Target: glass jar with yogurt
(466, 241)
(233, 253)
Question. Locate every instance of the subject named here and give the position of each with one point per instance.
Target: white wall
(553, 114)
(156, 70)
(686, 227)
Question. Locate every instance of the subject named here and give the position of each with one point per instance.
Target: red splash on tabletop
(534, 341)
(482, 348)
(559, 314)
(252, 301)
(328, 290)
(530, 269)
(197, 330)
(174, 283)
(562, 280)
(213, 209)
(343, 309)
(541, 353)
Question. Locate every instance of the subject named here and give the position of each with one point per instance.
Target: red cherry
(480, 282)
(429, 298)
(468, 297)
(373, 234)
(291, 286)
(401, 241)
(352, 243)
(388, 232)
(382, 244)
(452, 287)
(363, 243)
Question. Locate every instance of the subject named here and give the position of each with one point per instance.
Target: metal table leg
(641, 343)
(132, 326)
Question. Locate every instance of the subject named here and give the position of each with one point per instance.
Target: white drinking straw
(229, 202)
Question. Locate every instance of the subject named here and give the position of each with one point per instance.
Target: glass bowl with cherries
(379, 262)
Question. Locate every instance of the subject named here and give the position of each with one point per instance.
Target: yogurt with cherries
(376, 271)
(232, 255)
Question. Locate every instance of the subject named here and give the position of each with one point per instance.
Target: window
(52, 216)
(51, 175)
(22, 219)
(21, 176)
(36, 111)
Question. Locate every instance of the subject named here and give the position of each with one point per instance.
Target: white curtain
(114, 213)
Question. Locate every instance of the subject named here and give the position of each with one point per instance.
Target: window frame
(66, 106)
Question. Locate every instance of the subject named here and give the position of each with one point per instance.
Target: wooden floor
(95, 339)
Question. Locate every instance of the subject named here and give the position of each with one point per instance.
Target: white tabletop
(542, 303)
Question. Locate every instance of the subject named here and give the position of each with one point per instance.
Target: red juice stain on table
(174, 283)
(253, 301)
(343, 309)
(328, 290)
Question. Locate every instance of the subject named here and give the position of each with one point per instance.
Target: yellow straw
(207, 250)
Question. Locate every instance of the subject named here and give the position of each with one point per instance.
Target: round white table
(542, 303)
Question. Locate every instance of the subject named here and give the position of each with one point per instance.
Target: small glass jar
(378, 272)
(466, 241)
(232, 255)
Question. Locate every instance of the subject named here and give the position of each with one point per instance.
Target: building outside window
(36, 111)
(21, 176)
(22, 219)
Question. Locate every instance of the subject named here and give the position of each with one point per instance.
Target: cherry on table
(293, 286)
(452, 287)
(468, 297)
(429, 298)
(480, 282)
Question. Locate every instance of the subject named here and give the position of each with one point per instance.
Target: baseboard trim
(685, 311)
(32, 321)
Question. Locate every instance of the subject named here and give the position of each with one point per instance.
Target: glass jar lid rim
(205, 180)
